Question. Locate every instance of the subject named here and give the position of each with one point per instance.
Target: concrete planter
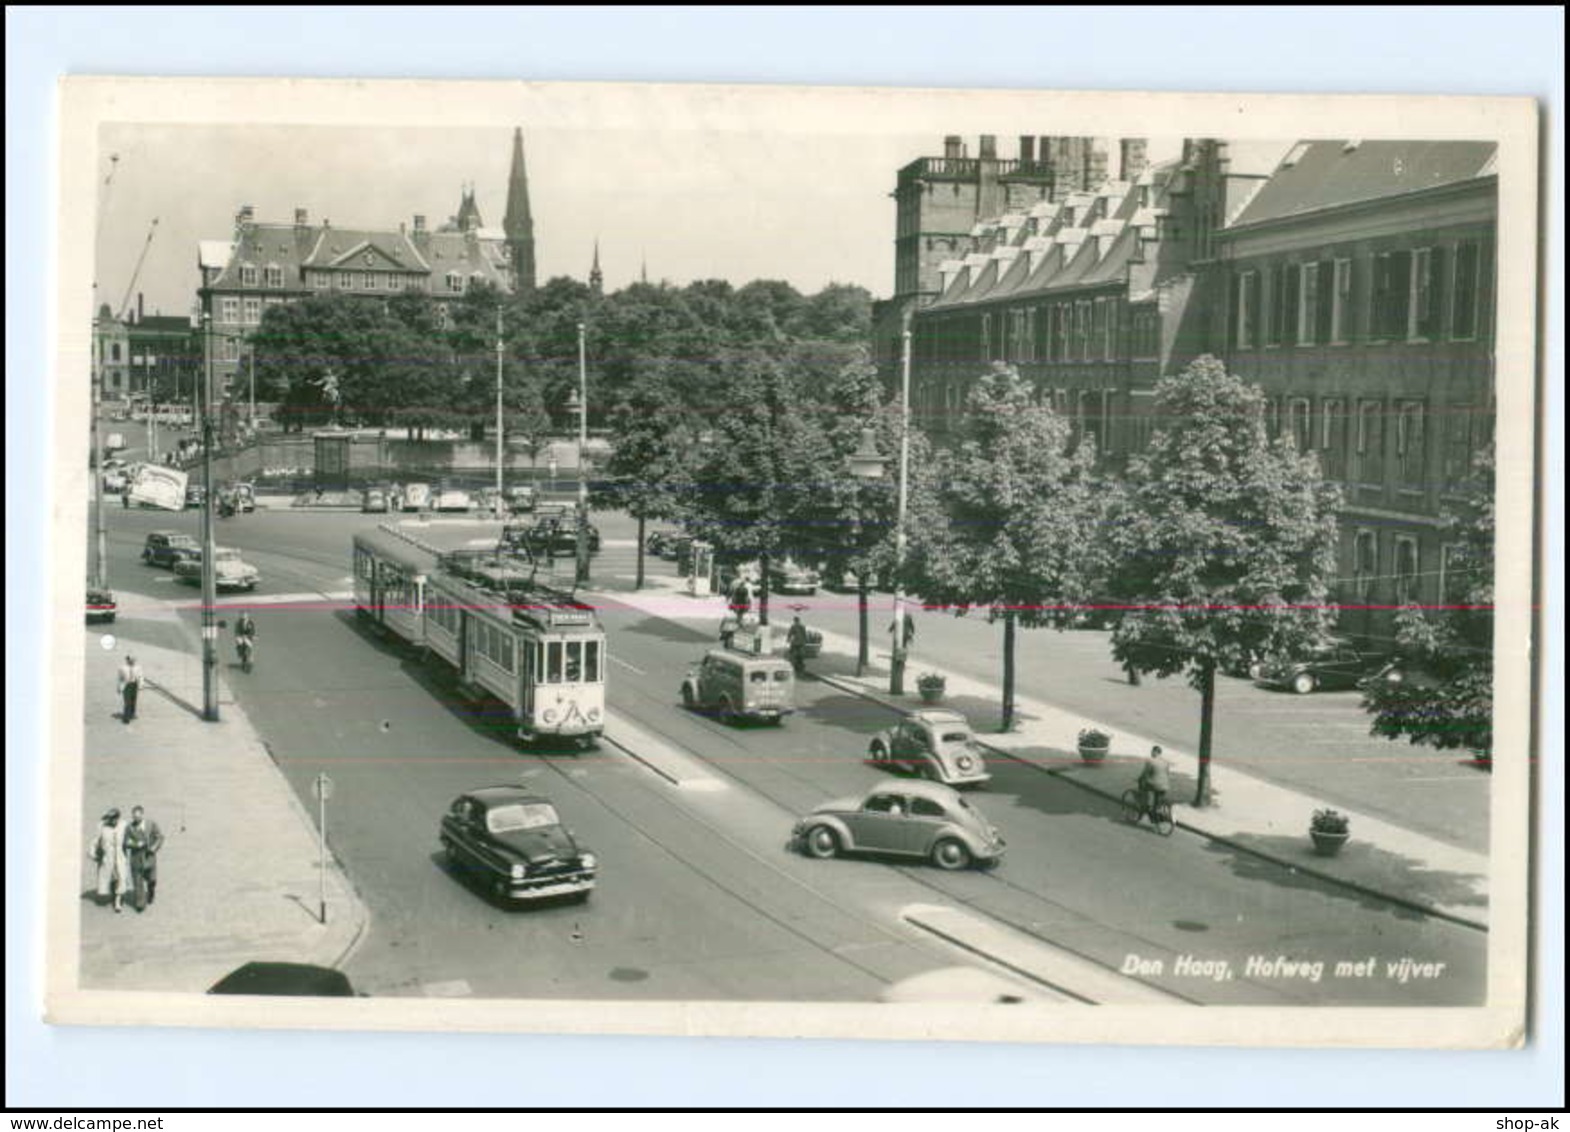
(932, 694)
(1327, 844)
(1094, 754)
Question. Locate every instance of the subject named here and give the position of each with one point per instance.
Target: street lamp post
(253, 387)
(209, 573)
(582, 574)
(500, 446)
(901, 641)
(865, 464)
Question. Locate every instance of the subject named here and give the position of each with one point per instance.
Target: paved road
(699, 899)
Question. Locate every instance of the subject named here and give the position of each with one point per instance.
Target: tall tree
(1224, 541)
(1445, 695)
(759, 464)
(1007, 524)
(651, 444)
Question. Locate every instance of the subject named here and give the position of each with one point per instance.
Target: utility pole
(101, 537)
(583, 475)
(897, 664)
(209, 552)
(253, 387)
(500, 446)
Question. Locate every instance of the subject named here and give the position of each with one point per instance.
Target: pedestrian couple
(127, 858)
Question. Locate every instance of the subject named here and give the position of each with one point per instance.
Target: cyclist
(245, 636)
(1155, 779)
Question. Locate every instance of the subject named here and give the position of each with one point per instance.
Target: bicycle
(1160, 812)
(245, 646)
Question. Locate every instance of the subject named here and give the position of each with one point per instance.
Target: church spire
(596, 279)
(518, 224)
(643, 269)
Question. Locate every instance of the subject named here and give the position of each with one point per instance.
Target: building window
(253, 311)
(454, 282)
(1332, 438)
(1109, 324)
(229, 310)
(986, 337)
(1405, 569)
(1370, 443)
(1247, 310)
(1409, 443)
(1308, 304)
(1063, 352)
(247, 275)
(1341, 303)
(1457, 458)
(274, 275)
(345, 280)
(1298, 424)
(321, 279)
(1082, 329)
(1454, 574)
(1392, 294)
(1463, 300)
(1423, 305)
(275, 301)
(1365, 563)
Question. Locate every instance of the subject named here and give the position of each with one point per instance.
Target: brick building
(265, 264)
(1357, 289)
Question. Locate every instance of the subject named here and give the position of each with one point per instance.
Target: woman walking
(108, 852)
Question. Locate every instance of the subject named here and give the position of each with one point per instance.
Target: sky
(811, 209)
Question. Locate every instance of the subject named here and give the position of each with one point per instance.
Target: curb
(1220, 839)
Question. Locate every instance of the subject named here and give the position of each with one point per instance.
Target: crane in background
(136, 273)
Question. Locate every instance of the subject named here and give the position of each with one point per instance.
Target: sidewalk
(1248, 813)
(237, 878)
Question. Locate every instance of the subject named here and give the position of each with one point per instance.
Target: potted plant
(931, 685)
(1330, 830)
(1094, 744)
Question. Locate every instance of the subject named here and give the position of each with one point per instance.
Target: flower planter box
(930, 695)
(1094, 753)
(1327, 844)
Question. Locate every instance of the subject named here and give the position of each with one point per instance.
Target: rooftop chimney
(1027, 148)
(989, 147)
(419, 224)
(1095, 163)
(301, 218)
(1131, 159)
(951, 147)
(247, 214)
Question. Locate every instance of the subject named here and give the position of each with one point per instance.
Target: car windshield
(522, 816)
(223, 554)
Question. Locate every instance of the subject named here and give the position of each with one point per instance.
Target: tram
(535, 649)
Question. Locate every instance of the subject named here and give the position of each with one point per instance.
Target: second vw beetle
(933, 743)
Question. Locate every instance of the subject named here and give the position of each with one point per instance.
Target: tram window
(574, 662)
(506, 660)
(591, 661)
(553, 663)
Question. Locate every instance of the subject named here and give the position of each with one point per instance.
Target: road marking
(629, 667)
(455, 988)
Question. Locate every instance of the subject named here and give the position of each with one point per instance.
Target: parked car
(101, 605)
(787, 576)
(165, 548)
(513, 843)
(116, 480)
(900, 816)
(452, 499)
(485, 500)
(230, 571)
(416, 496)
(522, 497)
(298, 979)
(1336, 664)
(740, 686)
(245, 497)
(935, 743)
(662, 544)
(195, 496)
(374, 501)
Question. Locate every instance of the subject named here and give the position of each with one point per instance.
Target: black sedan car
(512, 842)
(1334, 665)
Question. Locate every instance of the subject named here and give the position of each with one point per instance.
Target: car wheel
(951, 855)
(688, 700)
(1303, 683)
(879, 753)
(821, 842)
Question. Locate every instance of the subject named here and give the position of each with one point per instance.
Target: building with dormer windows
(264, 264)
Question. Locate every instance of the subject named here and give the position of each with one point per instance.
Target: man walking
(796, 645)
(143, 840)
(129, 679)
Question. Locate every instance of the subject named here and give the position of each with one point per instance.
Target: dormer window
(274, 275)
(454, 282)
(247, 275)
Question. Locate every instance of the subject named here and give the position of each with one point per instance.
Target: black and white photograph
(751, 561)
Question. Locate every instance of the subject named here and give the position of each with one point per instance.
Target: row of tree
(1215, 545)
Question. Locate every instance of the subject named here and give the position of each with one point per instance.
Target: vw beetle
(933, 743)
